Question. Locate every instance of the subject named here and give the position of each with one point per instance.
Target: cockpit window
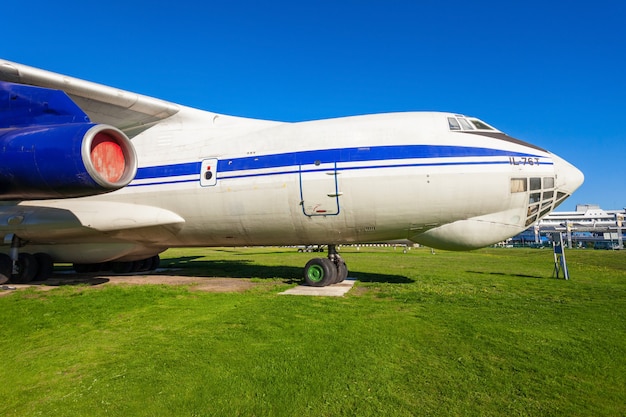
(460, 122)
(480, 125)
(535, 183)
(519, 185)
(548, 182)
(465, 124)
(453, 123)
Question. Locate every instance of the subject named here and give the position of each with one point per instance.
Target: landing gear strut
(20, 267)
(320, 272)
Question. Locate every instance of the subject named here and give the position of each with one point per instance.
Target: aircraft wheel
(45, 266)
(135, 266)
(86, 268)
(6, 267)
(97, 267)
(150, 264)
(342, 272)
(155, 261)
(122, 267)
(26, 269)
(144, 265)
(320, 272)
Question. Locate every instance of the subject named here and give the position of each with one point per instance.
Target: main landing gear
(39, 267)
(26, 268)
(144, 265)
(21, 267)
(320, 272)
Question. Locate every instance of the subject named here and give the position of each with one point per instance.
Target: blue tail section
(25, 105)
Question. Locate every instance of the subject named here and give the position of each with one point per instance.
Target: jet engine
(64, 161)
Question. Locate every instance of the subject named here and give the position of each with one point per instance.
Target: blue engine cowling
(63, 161)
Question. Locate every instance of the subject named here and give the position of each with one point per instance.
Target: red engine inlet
(109, 156)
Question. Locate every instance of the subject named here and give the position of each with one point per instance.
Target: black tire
(150, 264)
(342, 271)
(6, 268)
(155, 262)
(121, 267)
(135, 266)
(145, 265)
(26, 269)
(87, 268)
(45, 266)
(320, 272)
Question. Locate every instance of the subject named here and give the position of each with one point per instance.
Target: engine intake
(64, 161)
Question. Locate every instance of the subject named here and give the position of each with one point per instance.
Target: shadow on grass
(241, 269)
(189, 266)
(246, 269)
(380, 278)
(505, 275)
(81, 279)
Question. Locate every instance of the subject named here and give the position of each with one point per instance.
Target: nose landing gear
(320, 272)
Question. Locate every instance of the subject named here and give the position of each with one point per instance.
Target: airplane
(108, 179)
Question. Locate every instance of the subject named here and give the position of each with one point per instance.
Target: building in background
(588, 226)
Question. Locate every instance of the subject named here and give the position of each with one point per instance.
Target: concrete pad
(335, 290)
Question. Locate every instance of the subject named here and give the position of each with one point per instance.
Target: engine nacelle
(63, 161)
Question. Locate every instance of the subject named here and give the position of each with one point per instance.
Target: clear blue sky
(549, 72)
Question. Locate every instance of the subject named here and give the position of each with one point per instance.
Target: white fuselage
(211, 180)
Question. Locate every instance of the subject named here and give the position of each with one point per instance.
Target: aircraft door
(319, 192)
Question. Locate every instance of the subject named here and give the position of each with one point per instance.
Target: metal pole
(619, 219)
(560, 263)
(568, 225)
(563, 261)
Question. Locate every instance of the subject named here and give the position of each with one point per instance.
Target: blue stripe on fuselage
(174, 170)
(361, 154)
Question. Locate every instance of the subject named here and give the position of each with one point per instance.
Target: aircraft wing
(130, 112)
(65, 220)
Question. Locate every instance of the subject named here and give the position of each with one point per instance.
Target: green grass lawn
(451, 334)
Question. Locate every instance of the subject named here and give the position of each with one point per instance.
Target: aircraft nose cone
(568, 177)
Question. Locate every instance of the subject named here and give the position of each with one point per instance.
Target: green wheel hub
(320, 272)
(315, 273)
